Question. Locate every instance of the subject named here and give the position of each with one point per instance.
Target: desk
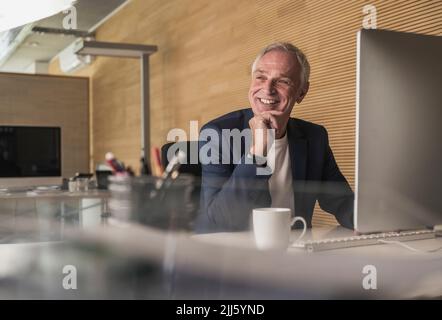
(246, 240)
(50, 212)
(401, 273)
(227, 266)
(124, 260)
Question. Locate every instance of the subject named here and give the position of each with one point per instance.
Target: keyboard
(363, 240)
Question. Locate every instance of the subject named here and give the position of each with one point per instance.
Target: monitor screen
(398, 131)
(30, 152)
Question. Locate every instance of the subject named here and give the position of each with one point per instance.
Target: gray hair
(288, 47)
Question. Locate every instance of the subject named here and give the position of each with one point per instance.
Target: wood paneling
(203, 65)
(38, 100)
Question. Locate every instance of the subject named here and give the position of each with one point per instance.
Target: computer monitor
(398, 131)
(29, 156)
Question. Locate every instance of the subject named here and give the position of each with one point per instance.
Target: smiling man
(302, 166)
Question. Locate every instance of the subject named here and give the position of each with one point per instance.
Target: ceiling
(20, 48)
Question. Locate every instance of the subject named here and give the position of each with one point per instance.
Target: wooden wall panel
(39, 100)
(203, 65)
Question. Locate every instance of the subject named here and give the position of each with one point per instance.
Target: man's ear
(303, 92)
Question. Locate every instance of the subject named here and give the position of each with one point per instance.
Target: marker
(156, 161)
(114, 163)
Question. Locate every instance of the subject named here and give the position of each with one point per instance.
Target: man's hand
(259, 126)
(260, 123)
(277, 120)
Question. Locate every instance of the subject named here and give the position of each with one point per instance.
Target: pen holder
(102, 178)
(138, 199)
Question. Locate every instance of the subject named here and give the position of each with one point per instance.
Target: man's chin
(260, 107)
(267, 108)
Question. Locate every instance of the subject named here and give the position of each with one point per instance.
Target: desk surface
(56, 194)
(231, 260)
(220, 266)
(246, 240)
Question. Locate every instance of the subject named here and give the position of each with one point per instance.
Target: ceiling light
(15, 13)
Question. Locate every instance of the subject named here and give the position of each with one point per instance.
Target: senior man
(302, 168)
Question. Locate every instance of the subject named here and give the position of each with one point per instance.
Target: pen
(171, 171)
(145, 168)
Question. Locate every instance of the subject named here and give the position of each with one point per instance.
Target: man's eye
(260, 77)
(283, 81)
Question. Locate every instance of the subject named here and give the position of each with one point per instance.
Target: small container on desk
(72, 185)
(153, 201)
(102, 178)
(82, 184)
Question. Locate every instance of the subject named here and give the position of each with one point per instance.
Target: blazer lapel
(298, 159)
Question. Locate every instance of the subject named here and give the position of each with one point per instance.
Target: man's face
(275, 83)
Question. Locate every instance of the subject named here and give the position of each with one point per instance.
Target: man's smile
(268, 101)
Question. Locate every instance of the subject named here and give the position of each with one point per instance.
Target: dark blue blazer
(230, 191)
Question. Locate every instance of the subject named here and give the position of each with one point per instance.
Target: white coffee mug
(272, 227)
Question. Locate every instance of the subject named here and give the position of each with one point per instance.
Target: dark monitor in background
(398, 131)
(30, 155)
